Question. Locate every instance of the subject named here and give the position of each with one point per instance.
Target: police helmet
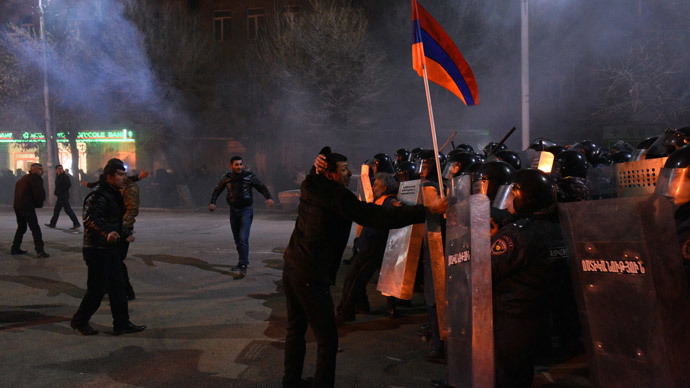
(556, 149)
(525, 192)
(382, 163)
(541, 144)
(406, 171)
(402, 155)
(509, 157)
(489, 177)
(570, 163)
(493, 147)
(458, 162)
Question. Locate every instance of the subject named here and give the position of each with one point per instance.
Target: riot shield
(469, 313)
(638, 178)
(434, 238)
(601, 182)
(542, 160)
(632, 299)
(364, 185)
(400, 260)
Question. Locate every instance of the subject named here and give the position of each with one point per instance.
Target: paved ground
(205, 329)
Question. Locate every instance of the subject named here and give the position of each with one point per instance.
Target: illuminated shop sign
(120, 135)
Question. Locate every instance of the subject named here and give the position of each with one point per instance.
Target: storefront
(19, 149)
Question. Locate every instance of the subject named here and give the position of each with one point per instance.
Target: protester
(28, 196)
(62, 186)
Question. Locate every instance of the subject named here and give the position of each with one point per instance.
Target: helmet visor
(480, 186)
(504, 198)
(674, 183)
(451, 170)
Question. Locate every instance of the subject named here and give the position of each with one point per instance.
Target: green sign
(120, 135)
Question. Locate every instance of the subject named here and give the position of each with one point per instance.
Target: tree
(319, 72)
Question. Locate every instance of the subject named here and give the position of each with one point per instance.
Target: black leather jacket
(239, 189)
(103, 211)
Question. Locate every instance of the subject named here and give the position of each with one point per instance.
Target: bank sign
(120, 135)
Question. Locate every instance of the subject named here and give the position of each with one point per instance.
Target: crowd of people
(534, 307)
(533, 300)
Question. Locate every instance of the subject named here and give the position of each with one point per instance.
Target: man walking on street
(240, 198)
(103, 211)
(29, 195)
(62, 186)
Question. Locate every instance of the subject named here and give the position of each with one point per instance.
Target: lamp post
(524, 38)
(51, 144)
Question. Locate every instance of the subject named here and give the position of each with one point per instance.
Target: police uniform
(529, 271)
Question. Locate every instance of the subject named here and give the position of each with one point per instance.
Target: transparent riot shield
(601, 182)
(364, 189)
(627, 275)
(400, 260)
(469, 312)
(542, 160)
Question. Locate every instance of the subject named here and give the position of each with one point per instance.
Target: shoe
(130, 293)
(435, 356)
(241, 268)
(392, 313)
(75, 227)
(85, 329)
(128, 328)
(50, 226)
(18, 252)
(42, 255)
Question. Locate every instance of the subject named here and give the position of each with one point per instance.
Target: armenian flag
(432, 48)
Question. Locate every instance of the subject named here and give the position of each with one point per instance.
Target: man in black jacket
(239, 184)
(29, 195)
(103, 211)
(325, 214)
(62, 186)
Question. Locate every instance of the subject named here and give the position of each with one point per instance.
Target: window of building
(27, 24)
(222, 23)
(256, 19)
(291, 12)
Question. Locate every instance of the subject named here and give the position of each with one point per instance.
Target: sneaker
(42, 255)
(49, 225)
(239, 267)
(18, 252)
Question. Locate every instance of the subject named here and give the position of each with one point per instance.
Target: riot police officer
(529, 268)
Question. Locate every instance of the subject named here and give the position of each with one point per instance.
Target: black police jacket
(528, 266)
(29, 193)
(324, 218)
(103, 211)
(239, 189)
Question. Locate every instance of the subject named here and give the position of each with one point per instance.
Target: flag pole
(433, 132)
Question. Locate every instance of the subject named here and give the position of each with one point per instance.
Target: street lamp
(51, 145)
(524, 37)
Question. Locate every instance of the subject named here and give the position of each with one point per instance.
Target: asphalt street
(205, 327)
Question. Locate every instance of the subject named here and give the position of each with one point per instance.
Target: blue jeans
(240, 224)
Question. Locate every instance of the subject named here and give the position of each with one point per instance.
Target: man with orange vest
(371, 247)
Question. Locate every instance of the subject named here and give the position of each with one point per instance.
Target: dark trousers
(308, 304)
(364, 265)
(24, 218)
(63, 202)
(240, 224)
(124, 248)
(104, 276)
(515, 344)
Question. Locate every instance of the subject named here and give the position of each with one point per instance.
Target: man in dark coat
(62, 186)
(312, 257)
(103, 211)
(29, 195)
(240, 198)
